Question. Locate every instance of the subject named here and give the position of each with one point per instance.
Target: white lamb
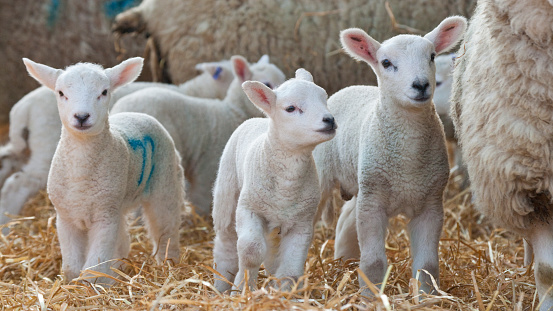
(202, 127)
(390, 151)
(35, 130)
(104, 167)
(502, 107)
(267, 181)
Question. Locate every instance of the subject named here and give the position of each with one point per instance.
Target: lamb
(501, 108)
(104, 167)
(194, 30)
(390, 153)
(202, 127)
(35, 127)
(267, 181)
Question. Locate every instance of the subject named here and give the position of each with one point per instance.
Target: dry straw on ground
(480, 267)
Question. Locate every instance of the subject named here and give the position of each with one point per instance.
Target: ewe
(35, 128)
(201, 127)
(502, 107)
(390, 151)
(267, 181)
(104, 167)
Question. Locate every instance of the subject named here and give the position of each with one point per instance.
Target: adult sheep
(187, 31)
(502, 107)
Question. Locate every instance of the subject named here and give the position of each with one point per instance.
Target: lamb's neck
(406, 115)
(293, 161)
(74, 142)
(239, 104)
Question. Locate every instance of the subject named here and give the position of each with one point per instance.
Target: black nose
(330, 121)
(421, 86)
(82, 117)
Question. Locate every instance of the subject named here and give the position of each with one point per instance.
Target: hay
(481, 268)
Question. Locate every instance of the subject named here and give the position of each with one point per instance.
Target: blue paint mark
(114, 7)
(217, 73)
(53, 12)
(143, 145)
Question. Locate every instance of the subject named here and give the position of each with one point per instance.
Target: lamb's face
(300, 116)
(444, 81)
(83, 94)
(406, 69)
(268, 74)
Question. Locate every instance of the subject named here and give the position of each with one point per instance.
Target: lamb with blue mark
(98, 171)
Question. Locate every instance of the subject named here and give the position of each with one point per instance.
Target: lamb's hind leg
(425, 230)
(163, 221)
(541, 238)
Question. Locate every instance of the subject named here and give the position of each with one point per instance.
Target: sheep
(36, 127)
(38, 28)
(501, 108)
(267, 181)
(185, 31)
(391, 151)
(201, 127)
(106, 166)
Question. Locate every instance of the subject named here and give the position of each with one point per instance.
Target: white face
(267, 74)
(444, 81)
(406, 69)
(83, 97)
(301, 116)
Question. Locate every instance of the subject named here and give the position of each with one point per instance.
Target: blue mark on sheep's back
(145, 144)
(53, 12)
(114, 7)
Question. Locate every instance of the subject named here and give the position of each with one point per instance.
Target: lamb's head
(404, 64)
(222, 75)
(84, 90)
(262, 71)
(444, 81)
(297, 110)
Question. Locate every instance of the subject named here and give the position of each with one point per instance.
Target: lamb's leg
(541, 239)
(200, 194)
(163, 221)
(293, 252)
(73, 245)
(371, 229)
(103, 244)
(528, 253)
(225, 257)
(251, 246)
(425, 230)
(346, 244)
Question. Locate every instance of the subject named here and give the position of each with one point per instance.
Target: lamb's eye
(432, 56)
(268, 84)
(438, 83)
(290, 109)
(105, 92)
(386, 63)
(61, 93)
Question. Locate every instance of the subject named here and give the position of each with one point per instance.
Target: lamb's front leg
(294, 246)
(73, 245)
(425, 230)
(103, 246)
(251, 246)
(541, 238)
(372, 222)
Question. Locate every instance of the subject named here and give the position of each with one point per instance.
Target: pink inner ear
(125, 73)
(262, 96)
(361, 47)
(445, 37)
(239, 67)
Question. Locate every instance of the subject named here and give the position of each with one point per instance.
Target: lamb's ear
(304, 75)
(214, 69)
(45, 75)
(260, 94)
(448, 33)
(125, 73)
(359, 45)
(241, 68)
(264, 59)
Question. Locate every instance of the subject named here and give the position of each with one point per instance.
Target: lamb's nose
(420, 86)
(82, 117)
(330, 121)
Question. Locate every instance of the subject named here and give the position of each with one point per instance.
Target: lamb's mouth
(329, 131)
(421, 99)
(82, 127)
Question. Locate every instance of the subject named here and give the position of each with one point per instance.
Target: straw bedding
(480, 267)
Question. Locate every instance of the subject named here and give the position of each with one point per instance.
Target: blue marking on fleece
(143, 144)
(53, 12)
(114, 7)
(217, 73)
